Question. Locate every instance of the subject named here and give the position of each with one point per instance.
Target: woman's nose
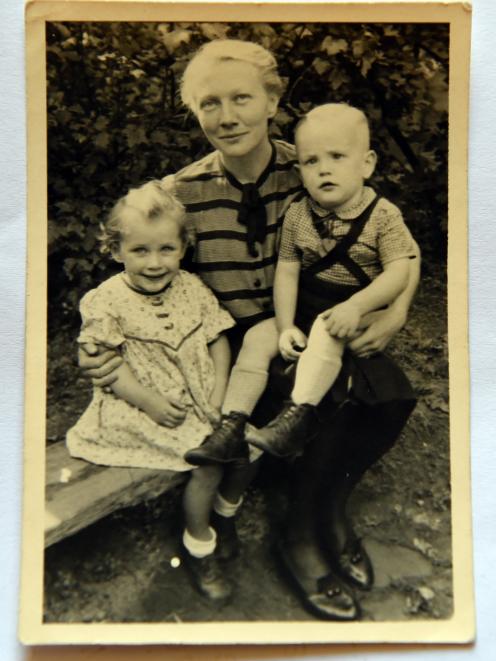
(227, 114)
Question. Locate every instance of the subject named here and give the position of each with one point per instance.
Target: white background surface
(482, 332)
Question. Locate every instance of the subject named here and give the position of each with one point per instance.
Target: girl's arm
(285, 299)
(343, 319)
(220, 352)
(167, 411)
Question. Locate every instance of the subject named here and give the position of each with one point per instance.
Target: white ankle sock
(199, 548)
(224, 507)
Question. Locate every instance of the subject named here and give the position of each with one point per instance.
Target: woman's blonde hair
(150, 200)
(225, 50)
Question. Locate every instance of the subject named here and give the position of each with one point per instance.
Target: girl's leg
(199, 539)
(247, 382)
(198, 499)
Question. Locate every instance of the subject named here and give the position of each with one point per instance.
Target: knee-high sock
(318, 366)
(244, 389)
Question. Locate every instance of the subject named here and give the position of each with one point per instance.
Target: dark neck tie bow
(253, 215)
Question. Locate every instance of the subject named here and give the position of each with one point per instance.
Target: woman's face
(233, 108)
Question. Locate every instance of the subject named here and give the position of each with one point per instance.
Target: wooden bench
(78, 493)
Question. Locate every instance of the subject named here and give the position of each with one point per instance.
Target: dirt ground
(119, 570)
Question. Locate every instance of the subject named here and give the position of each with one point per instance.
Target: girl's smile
(151, 251)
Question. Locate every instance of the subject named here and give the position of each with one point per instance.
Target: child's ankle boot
(224, 445)
(288, 433)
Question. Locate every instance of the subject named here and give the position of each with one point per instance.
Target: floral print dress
(164, 339)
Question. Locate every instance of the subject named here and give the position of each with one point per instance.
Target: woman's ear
(272, 105)
(369, 163)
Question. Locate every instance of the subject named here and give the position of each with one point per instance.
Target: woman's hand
(99, 364)
(292, 341)
(380, 327)
(342, 320)
(167, 410)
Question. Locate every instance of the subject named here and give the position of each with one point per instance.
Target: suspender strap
(340, 251)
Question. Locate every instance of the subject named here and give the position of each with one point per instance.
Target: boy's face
(151, 251)
(334, 161)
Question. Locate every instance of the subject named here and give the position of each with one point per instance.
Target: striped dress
(242, 283)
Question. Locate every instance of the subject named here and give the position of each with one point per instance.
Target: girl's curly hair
(151, 200)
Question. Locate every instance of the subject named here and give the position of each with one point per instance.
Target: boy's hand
(342, 320)
(99, 364)
(292, 341)
(167, 411)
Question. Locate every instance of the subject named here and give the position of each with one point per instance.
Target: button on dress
(164, 339)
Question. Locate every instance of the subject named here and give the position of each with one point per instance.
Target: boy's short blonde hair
(151, 201)
(225, 50)
(335, 112)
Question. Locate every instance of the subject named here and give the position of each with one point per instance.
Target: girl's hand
(292, 341)
(342, 320)
(99, 364)
(167, 410)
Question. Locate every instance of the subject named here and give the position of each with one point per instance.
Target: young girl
(165, 400)
(344, 253)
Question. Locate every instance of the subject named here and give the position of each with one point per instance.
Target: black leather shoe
(227, 536)
(325, 597)
(208, 576)
(224, 445)
(288, 433)
(354, 565)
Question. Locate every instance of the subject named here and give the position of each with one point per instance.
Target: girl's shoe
(224, 445)
(288, 433)
(227, 536)
(208, 576)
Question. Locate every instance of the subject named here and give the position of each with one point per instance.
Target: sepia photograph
(243, 379)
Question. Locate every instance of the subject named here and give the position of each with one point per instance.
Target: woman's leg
(373, 432)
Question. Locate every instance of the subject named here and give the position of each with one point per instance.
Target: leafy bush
(115, 118)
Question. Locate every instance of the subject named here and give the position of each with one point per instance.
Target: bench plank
(79, 493)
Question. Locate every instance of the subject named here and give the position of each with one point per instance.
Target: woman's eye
(208, 104)
(241, 98)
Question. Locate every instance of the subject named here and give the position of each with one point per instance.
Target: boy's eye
(337, 156)
(139, 250)
(310, 161)
(167, 248)
(242, 98)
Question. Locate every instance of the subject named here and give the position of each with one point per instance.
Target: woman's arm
(220, 352)
(167, 411)
(99, 363)
(382, 326)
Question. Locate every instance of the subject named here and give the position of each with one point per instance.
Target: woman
(236, 198)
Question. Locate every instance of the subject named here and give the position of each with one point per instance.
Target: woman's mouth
(232, 137)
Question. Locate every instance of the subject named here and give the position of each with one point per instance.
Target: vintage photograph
(248, 362)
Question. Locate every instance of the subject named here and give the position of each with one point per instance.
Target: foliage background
(115, 119)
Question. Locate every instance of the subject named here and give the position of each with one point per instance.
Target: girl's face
(233, 108)
(151, 251)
